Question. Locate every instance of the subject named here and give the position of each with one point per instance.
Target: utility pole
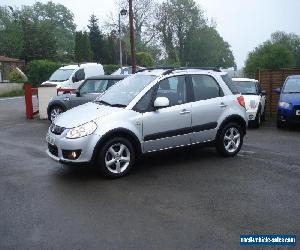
(132, 43)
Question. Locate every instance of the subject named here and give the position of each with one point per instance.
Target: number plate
(50, 139)
(297, 112)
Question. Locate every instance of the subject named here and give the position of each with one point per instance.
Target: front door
(168, 127)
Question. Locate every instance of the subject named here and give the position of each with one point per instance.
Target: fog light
(71, 154)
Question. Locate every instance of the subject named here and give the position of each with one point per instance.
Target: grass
(13, 93)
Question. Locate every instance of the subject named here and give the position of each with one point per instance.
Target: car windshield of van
(61, 75)
(123, 92)
(247, 87)
(292, 86)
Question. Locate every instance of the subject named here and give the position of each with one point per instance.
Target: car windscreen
(61, 75)
(123, 92)
(292, 85)
(247, 87)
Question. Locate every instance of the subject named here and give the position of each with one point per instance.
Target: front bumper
(61, 144)
(251, 114)
(291, 115)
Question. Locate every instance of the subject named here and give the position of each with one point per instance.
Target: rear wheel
(116, 157)
(230, 139)
(54, 112)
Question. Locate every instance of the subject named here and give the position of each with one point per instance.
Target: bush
(39, 71)
(144, 59)
(110, 68)
(15, 76)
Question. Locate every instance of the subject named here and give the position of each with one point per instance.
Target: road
(182, 199)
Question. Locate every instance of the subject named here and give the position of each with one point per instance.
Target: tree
(269, 56)
(11, 37)
(83, 51)
(96, 39)
(205, 47)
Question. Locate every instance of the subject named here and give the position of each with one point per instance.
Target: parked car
(289, 102)
(71, 76)
(87, 92)
(151, 110)
(127, 70)
(255, 100)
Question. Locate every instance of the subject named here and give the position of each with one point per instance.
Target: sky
(244, 24)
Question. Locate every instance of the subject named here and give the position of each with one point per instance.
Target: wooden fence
(270, 80)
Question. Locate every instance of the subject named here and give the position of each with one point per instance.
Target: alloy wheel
(232, 139)
(117, 158)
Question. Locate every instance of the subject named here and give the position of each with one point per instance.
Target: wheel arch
(233, 118)
(118, 132)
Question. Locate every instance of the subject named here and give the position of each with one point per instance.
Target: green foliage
(16, 92)
(39, 71)
(83, 52)
(205, 47)
(15, 76)
(40, 31)
(144, 59)
(269, 56)
(96, 40)
(110, 68)
(188, 38)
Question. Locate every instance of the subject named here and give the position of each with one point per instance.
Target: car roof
(107, 77)
(73, 66)
(244, 80)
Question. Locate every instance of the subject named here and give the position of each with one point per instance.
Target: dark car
(88, 91)
(289, 102)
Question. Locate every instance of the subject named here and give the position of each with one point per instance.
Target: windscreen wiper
(118, 105)
(103, 102)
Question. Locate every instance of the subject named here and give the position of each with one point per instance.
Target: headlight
(81, 131)
(253, 104)
(284, 104)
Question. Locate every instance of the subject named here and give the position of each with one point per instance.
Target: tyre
(116, 157)
(263, 116)
(54, 111)
(257, 122)
(230, 139)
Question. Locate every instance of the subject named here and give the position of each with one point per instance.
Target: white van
(71, 76)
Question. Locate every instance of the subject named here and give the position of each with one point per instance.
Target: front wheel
(230, 140)
(54, 112)
(116, 157)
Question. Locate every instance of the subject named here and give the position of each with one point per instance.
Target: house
(8, 64)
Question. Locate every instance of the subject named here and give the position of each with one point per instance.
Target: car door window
(205, 87)
(94, 86)
(174, 88)
(79, 75)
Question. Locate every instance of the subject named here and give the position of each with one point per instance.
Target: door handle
(223, 105)
(184, 111)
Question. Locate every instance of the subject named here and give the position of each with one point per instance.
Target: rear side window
(205, 87)
(230, 84)
(94, 86)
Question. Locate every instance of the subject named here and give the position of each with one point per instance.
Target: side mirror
(74, 79)
(77, 93)
(277, 90)
(161, 102)
(263, 92)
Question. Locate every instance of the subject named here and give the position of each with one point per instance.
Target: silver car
(151, 110)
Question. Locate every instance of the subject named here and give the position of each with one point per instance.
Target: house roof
(8, 59)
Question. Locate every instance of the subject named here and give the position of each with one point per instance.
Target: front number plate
(297, 112)
(50, 139)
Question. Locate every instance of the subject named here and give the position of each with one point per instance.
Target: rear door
(207, 107)
(168, 127)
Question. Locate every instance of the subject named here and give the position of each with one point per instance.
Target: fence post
(28, 100)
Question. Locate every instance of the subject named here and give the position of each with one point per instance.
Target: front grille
(53, 149)
(56, 129)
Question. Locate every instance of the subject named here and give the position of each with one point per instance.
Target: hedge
(39, 71)
(110, 68)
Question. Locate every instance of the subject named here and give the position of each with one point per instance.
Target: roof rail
(171, 69)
